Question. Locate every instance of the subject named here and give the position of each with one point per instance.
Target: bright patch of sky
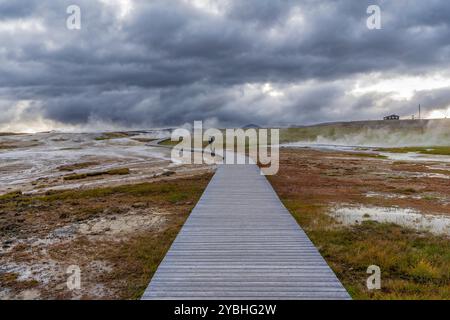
(400, 87)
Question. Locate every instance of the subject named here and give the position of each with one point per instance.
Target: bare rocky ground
(39, 262)
(60, 161)
(117, 236)
(357, 210)
(111, 204)
(67, 201)
(339, 177)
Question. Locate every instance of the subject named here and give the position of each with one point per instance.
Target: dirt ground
(115, 235)
(109, 204)
(117, 229)
(414, 264)
(336, 177)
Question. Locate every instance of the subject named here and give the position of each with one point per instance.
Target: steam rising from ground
(379, 134)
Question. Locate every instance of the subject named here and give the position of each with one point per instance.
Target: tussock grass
(166, 192)
(405, 191)
(112, 135)
(170, 143)
(12, 280)
(4, 145)
(133, 259)
(10, 195)
(422, 150)
(77, 166)
(144, 140)
(137, 260)
(414, 265)
(80, 176)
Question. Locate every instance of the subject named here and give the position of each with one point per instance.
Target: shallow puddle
(371, 194)
(351, 215)
(414, 156)
(370, 150)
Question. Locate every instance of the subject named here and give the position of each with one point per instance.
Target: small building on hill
(392, 117)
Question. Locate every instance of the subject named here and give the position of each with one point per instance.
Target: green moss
(80, 176)
(430, 198)
(121, 171)
(112, 135)
(166, 191)
(170, 143)
(11, 195)
(144, 140)
(422, 150)
(77, 166)
(369, 155)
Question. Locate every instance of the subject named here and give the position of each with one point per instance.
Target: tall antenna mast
(419, 113)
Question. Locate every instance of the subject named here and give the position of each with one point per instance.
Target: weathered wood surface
(240, 242)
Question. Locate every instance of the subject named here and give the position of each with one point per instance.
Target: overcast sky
(137, 64)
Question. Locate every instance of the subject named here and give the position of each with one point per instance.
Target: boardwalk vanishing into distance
(240, 242)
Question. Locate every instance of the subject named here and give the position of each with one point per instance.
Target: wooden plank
(241, 243)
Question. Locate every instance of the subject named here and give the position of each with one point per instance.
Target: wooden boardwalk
(241, 243)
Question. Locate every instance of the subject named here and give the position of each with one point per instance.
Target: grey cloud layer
(170, 62)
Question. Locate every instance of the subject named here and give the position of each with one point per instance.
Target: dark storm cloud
(171, 62)
(14, 9)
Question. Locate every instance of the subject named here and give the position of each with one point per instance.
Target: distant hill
(381, 123)
(374, 133)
